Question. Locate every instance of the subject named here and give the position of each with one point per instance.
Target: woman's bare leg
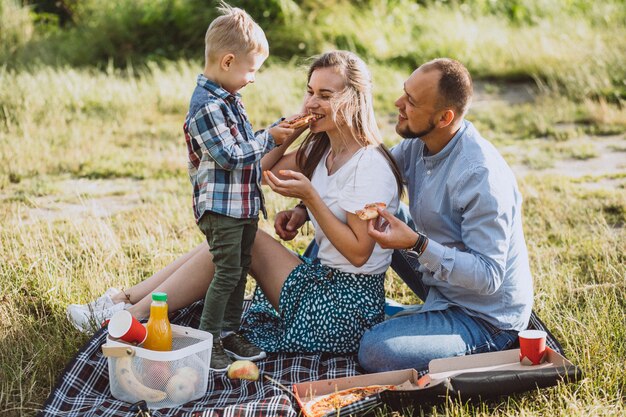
(185, 285)
(189, 280)
(144, 288)
(271, 265)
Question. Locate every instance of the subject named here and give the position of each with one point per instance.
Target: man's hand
(288, 222)
(281, 133)
(390, 232)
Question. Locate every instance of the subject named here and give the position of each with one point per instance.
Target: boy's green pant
(231, 242)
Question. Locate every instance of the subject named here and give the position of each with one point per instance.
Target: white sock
(226, 333)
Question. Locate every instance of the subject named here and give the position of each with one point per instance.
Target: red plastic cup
(532, 347)
(125, 327)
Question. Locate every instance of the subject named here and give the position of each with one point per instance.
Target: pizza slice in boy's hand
(369, 211)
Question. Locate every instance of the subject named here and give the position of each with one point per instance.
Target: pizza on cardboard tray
(320, 406)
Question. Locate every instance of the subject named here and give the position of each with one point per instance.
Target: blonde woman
(302, 305)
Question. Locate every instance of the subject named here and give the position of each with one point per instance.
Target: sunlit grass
(116, 137)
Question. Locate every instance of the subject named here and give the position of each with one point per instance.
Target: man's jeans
(412, 341)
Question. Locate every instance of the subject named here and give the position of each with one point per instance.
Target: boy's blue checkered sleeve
(212, 132)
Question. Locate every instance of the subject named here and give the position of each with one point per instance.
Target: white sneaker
(88, 320)
(102, 302)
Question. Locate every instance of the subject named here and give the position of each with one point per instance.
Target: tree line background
(551, 41)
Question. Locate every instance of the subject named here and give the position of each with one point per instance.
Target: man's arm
(486, 227)
(210, 129)
(487, 201)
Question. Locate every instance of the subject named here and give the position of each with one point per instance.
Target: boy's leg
(412, 341)
(237, 346)
(224, 236)
(233, 311)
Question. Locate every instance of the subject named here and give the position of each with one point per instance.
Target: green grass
(70, 136)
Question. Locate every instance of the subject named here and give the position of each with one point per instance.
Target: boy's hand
(281, 133)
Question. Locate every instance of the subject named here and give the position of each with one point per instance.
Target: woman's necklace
(336, 159)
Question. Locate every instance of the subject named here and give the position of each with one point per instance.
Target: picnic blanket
(83, 388)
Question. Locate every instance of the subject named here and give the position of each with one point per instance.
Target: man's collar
(450, 145)
(215, 88)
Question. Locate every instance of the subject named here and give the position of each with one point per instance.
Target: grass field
(94, 193)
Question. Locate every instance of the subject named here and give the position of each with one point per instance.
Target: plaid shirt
(224, 154)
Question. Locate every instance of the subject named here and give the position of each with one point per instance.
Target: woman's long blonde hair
(353, 106)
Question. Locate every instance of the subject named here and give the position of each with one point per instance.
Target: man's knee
(371, 352)
(405, 342)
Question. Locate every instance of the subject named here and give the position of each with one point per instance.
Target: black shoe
(239, 348)
(220, 361)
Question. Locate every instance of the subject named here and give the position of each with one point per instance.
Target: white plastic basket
(162, 379)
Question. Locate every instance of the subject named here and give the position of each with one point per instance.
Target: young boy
(225, 171)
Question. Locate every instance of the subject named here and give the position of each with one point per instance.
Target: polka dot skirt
(321, 309)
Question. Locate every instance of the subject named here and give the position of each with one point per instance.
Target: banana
(129, 382)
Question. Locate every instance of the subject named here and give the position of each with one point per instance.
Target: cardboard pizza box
(481, 377)
(306, 392)
(506, 360)
(478, 376)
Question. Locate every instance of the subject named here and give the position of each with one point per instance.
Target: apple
(156, 373)
(180, 389)
(189, 373)
(243, 370)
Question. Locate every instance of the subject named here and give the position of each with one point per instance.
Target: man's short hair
(235, 32)
(455, 85)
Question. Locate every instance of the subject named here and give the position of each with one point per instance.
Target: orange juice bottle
(158, 326)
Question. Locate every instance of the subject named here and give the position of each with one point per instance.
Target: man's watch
(303, 206)
(420, 245)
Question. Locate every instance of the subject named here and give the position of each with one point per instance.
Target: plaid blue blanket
(83, 388)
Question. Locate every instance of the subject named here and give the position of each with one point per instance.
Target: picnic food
(300, 121)
(156, 373)
(128, 382)
(180, 388)
(158, 326)
(369, 211)
(189, 373)
(243, 370)
(320, 406)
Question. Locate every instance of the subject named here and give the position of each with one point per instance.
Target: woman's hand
(288, 222)
(297, 185)
(390, 232)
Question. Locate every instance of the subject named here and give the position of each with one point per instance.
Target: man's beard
(408, 133)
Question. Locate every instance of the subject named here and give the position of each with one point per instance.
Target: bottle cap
(159, 296)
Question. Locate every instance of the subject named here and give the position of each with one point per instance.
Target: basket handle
(117, 351)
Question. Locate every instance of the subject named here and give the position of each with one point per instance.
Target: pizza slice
(369, 211)
(300, 121)
(330, 403)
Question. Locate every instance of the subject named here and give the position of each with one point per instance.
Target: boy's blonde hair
(234, 31)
